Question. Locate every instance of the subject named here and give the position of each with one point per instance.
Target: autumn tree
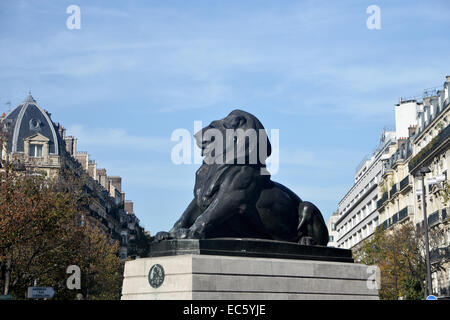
(400, 254)
(32, 222)
(44, 229)
(97, 256)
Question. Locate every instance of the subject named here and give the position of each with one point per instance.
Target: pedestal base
(202, 277)
(247, 247)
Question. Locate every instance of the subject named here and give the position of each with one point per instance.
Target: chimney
(71, 145)
(116, 181)
(101, 178)
(401, 141)
(411, 131)
(129, 206)
(83, 158)
(92, 169)
(61, 131)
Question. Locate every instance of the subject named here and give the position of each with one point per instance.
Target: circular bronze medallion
(156, 276)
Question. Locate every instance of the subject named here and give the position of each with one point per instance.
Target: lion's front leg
(224, 206)
(187, 218)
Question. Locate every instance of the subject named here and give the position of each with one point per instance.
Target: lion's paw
(307, 241)
(184, 233)
(162, 235)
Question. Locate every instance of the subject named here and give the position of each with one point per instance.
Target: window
(35, 150)
(331, 239)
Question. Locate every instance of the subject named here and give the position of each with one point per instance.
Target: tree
(97, 256)
(399, 255)
(33, 223)
(43, 230)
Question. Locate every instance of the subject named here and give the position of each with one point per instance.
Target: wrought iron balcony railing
(404, 183)
(382, 200)
(393, 190)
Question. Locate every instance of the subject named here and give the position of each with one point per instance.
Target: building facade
(34, 141)
(431, 149)
(421, 140)
(357, 211)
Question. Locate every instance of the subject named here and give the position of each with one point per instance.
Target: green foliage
(397, 252)
(42, 234)
(411, 288)
(445, 193)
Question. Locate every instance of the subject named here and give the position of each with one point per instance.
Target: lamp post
(422, 172)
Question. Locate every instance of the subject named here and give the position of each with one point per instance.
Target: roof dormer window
(36, 150)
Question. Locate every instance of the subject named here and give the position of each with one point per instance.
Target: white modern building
(357, 211)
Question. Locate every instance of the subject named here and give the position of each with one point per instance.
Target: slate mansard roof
(28, 119)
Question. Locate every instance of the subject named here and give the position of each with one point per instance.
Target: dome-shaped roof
(28, 119)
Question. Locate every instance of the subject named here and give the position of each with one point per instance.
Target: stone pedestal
(203, 276)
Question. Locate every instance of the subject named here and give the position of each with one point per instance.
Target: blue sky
(138, 70)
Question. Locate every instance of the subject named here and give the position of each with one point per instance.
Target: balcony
(439, 254)
(434, 218)
(402, 214)
(404, 183)
(382, 200)
(393, 190)
(396, 218)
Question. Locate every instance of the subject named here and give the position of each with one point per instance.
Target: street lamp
(422, 172)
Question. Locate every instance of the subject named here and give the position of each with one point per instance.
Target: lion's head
(239, 138)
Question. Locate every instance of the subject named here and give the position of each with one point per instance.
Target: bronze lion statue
(234, 195)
